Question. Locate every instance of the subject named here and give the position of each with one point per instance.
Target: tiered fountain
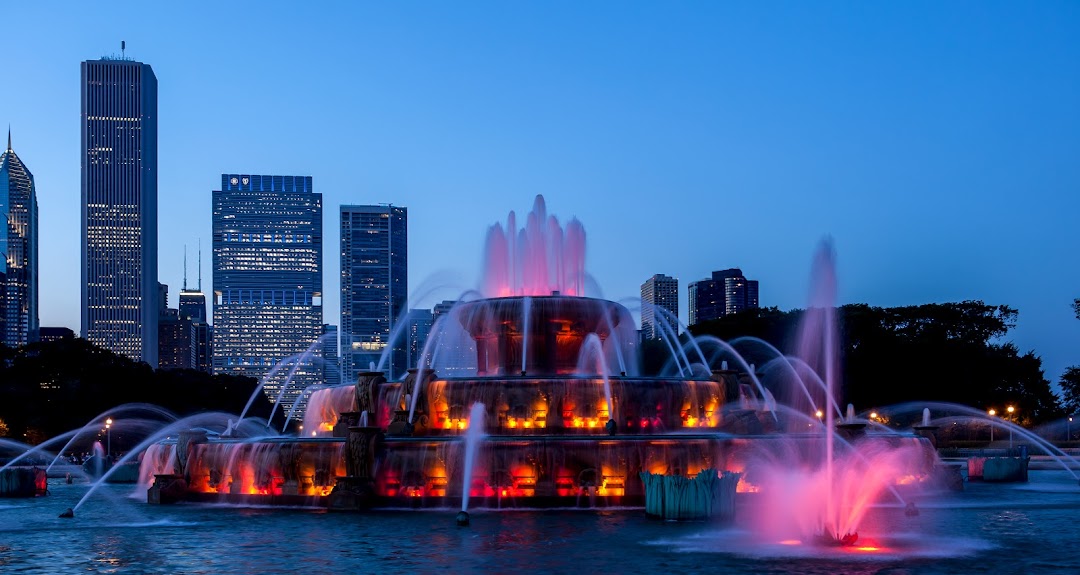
(568, 419)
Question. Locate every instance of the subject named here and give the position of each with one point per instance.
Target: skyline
(761, 131)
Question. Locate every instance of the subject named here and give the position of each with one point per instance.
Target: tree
(1070, 389)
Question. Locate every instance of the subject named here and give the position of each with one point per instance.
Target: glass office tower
(19, 250)
(268, 281)
(374, 290)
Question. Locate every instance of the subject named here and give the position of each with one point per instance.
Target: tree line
(951, 352)
(47, 388)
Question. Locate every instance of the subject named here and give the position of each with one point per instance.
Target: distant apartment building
(374, 289)
(267, 302)
(419, 326)
(659, 307)
(726, 292)
(18, 251)
(119, 207)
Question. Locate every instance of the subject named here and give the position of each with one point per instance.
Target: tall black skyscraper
(119, 207)
(374, 288)
(18, 251)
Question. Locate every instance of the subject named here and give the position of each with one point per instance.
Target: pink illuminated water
(539, 258)
(826, 497)
(808, 502)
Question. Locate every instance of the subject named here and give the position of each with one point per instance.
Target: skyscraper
(176, 335)
(331, 361)
(268, 281)
(18, 251)
(726, 292)
(659, 293)
(119, 207)
(193, 309)
(374, 288)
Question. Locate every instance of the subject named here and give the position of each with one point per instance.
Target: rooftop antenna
(200, 265)
(185, 267)
(123, 46)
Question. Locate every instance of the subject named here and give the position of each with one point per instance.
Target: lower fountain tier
(536, 471)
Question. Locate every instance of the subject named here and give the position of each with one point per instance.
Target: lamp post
(108, 436)
(992, 412)
(1068, 429)
(1011, 410)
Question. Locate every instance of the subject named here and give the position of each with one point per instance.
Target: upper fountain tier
(548, 335)
(538, 259)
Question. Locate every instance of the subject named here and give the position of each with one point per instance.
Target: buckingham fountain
(529, 395)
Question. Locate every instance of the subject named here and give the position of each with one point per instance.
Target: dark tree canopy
(1070, 389)
(47, 388)
(934, 352)
(1070, 380)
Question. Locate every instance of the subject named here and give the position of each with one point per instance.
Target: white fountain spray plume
(817, 345)
(536, 260)
(926, 417)
(591, 361)
(473, 435)
(850, 418)
(97, 421)
(301, 360)
(200, 420)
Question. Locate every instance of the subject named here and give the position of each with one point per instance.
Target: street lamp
(1068, 429)
(108, 436)
(1011, 410)
(992, 413)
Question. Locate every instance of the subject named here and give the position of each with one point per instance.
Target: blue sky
(937, 143)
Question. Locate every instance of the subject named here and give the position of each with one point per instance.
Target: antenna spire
(9, 137)
(185, 267)
(200, 265)
(123, 46)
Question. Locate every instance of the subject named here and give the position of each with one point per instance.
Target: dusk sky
(937, 143)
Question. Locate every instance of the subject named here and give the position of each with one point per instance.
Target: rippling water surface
(1029, 528)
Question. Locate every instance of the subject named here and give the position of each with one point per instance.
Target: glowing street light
(1011, 411)
(992, 412)
(819, 414)
(873, 415)
(1068, 429)
(108, 435)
